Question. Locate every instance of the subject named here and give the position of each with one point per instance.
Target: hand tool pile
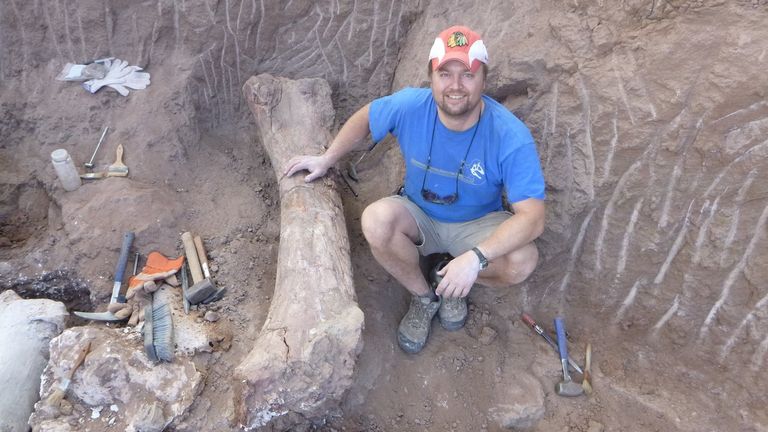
(566, 387)
(137, 304)
(116, 169)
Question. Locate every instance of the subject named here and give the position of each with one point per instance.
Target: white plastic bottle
(65, 169)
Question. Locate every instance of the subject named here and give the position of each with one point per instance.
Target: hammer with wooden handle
(203, 287)
(203, 257)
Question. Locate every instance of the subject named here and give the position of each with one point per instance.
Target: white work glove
(135, 80)
(120, 77)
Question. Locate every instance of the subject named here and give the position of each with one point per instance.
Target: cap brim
(458, 56)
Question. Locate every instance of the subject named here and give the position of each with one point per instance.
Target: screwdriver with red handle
(537, 328)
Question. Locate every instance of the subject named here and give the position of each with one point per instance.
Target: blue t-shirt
(500, 153)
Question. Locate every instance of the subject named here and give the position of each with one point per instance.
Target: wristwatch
(481, 257)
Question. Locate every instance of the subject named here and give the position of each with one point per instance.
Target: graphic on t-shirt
(477, 170)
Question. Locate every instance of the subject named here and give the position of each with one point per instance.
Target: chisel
(537, 328)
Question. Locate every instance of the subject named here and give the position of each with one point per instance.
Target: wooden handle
(194, 263)
(200, 250)
(79, 360)
(202, 256)
(119, 152)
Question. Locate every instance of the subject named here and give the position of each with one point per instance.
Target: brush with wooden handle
(118, 169)
(55, 398)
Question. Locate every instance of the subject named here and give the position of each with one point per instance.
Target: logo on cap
(457, 39)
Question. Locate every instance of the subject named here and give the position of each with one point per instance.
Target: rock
(595, 426)
(26, 328)
(211, 316)
(150, 418)
(487, 335)
(522, 403)
(117, 381)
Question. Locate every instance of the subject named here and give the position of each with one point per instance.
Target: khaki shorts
(454, 238)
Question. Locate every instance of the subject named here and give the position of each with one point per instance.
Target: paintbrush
(55, 398)
(118, 169)
(586, 384)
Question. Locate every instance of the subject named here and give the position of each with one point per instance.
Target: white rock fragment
(26, 328)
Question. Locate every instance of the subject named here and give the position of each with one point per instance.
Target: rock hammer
(541, 332)
(566, 387)
(118, 289)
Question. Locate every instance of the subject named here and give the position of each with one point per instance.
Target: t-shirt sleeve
(386, 114)
(521, 169)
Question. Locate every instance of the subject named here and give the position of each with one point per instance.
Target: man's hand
(349, 137)
(458, 276)
(316, 165)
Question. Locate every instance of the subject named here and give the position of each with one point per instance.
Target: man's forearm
(520, 229)
(351, 135)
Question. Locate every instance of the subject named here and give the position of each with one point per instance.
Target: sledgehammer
(203, 287)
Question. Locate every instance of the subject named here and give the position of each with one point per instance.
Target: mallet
(566, 387)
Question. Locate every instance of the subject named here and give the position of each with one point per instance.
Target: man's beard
(456, 110)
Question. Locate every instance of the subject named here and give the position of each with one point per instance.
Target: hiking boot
(414, 327)
(453, 311)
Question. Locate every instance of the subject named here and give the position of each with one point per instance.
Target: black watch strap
(481, 257)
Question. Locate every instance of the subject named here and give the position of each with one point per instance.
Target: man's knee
(381, 220)
(372, 220)
(519, 265)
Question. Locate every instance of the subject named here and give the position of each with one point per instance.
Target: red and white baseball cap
(458, 43)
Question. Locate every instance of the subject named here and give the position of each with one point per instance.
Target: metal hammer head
(101, 316)
(569, 388)
(200, 291)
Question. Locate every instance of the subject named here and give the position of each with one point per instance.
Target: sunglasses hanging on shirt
(431, 196)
